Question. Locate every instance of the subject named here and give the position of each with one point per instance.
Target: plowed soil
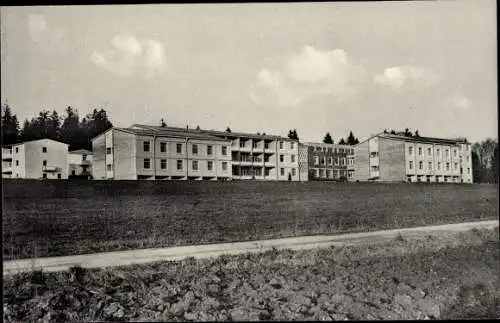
(446, 277)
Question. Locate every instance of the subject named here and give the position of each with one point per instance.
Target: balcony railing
(51, 169)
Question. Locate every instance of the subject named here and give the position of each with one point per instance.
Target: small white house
(80, 162)
(37, 159)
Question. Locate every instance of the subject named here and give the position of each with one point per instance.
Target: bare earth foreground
(60, 218)
(438, 276)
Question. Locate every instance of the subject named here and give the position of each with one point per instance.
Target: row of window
(429, 166)
(180, 164)
(334, 150)
(338, 160)
(194, 148)
(44, 150)
(429, 152)
(328, 174)
(256, 145)
(258, 172)
(445, 178)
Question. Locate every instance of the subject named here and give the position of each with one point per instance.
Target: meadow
(56, 218)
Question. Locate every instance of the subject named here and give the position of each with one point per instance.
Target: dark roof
(216, 133)
(168, 132)
(81, 151)
(429, 140)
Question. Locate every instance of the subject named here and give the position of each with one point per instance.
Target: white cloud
(456, 101)
(49, 38)
(129, 54)
(311, 72)
(399, 77)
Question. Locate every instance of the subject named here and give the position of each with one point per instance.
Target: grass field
(53, 218)
(429, 277)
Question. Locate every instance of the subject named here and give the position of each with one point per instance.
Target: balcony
(51, 169)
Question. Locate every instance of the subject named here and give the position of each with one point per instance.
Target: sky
(317, 67)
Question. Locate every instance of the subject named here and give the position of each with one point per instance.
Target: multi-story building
(387, 157)
(80, 162)
(255, 156)
(139, 153)
(37, 159)
(327, 161)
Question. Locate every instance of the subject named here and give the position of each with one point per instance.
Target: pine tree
(341, 141)
(10, 126)
(328, 139)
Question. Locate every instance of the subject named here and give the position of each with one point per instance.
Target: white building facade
(37, 159)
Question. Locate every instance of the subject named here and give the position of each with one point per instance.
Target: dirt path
(122, 258)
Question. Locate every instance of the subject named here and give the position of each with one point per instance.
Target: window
(439, 165)
(179, 165)
(147, 163)
(224, 150)
(195, 165)
(17, 149)
(316, 173)
(195, 149)
(447, 166)
(429, 151)
(209, 150)
(455, 153)
(293, 171)
(224, 166)
(145, 146)
(108, 167)
(322, 173)
(163, 164)
(374, 154)
(17, 162)
(374, 168)
(210, 165)
(468, 170)
(337, 160)
(456, 166)
(429, 166)
(293, 159)
(324, 149)
(467, 158)
(343, 161)
(282, 171)
(43, 176)
(266, 145)
(281, 144)
(410, 150)
(84, 157)
(420, 151)
(282, 158)
(44, 149)
(318, 148)
(44, 163)
(447, 153)
(254, 144)
(163, 147)
(411, 164)
(335, 150)
(108, 151)
(438, 152)
(316, 160)
(330, 150)
(292, 145)
(329, 173)
(179, 148)
(420, 165)
(59, 176)
(322, 160)
(330, 160)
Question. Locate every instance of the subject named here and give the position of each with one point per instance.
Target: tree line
(69, 129)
